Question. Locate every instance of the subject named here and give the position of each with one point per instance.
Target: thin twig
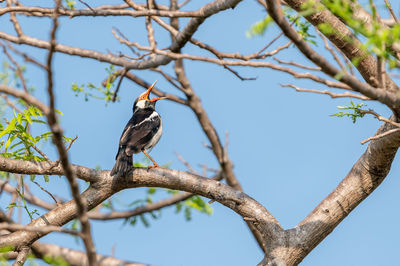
(26, 57)
(14, 20)
(292, 63)
(329, 48)
(187, 164)
(10, 103)
(94, 11)
(18, 68)
(167, 77)
(43, 189)
(183, 3)
(379, 117)
(72, 142)
(389, 6)
(333, 95)
(123, 73)
(57, 139)
(149, 27)
(389, 132)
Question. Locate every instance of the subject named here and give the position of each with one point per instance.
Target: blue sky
(288, 152)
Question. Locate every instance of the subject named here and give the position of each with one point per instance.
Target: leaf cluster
(16, 138)
(378, 38)
(103, 92)
(353, 111)
(302, 26)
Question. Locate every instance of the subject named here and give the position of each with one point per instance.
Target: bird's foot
(155, 166)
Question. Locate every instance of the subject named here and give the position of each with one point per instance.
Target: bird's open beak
(159, 98)
(146, 95)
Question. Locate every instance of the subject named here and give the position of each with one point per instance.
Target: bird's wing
(138, 132)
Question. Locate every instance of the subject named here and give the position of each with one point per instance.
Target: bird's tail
(122, 165)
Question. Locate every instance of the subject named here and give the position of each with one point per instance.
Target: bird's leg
(151, 159)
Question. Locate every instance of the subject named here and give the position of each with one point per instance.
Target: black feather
(138, 132)
(123, 164)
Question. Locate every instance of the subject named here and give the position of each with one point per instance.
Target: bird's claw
(155, 166)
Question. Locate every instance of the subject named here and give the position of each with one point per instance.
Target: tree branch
(344, 39)
(379, 94)
(58, 141)
(172, 179)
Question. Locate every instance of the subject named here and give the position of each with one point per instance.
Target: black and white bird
(141, 134)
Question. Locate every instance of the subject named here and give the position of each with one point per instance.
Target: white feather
(156, 137)
(141, 104)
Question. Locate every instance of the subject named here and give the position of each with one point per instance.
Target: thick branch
(346, 42)
(390, 99)
(46, 168)
(76, 257)
(365, 176)
(179, 180)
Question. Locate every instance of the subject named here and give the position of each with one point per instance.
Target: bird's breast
(156, 137)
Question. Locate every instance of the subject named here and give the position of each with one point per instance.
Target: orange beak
(147, 93)
(159, 98)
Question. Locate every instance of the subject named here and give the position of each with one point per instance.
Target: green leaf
(6, 249)
(188, 214)
(178, 207)
(32, 111)
(58, 111)
(28, 117)
(260, 27)
(11, 125)
(144, 220)
(46, 178)
(3, 132)
(133, 221)
(10, 139)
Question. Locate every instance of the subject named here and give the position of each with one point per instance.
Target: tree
(365, 51)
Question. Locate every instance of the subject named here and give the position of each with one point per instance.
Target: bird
(141, 133)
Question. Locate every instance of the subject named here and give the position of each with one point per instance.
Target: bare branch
(26, 97)
(379, 117)
(14, 20)
(392, 131)
(155, 90)
(379, 94)
(172, 179)
(95, 12)
(389, 6)
(333, 95)
(329, 48)
(123, 73)
(22, 256)
(18, 68)
(26, 57)
(45, 190)
(297, 64)
(366, 175)
(347, 42)
(187, 164)
(40, 229)
(58, 141)
(76, 257)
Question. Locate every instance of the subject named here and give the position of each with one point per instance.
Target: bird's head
(143, 101)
